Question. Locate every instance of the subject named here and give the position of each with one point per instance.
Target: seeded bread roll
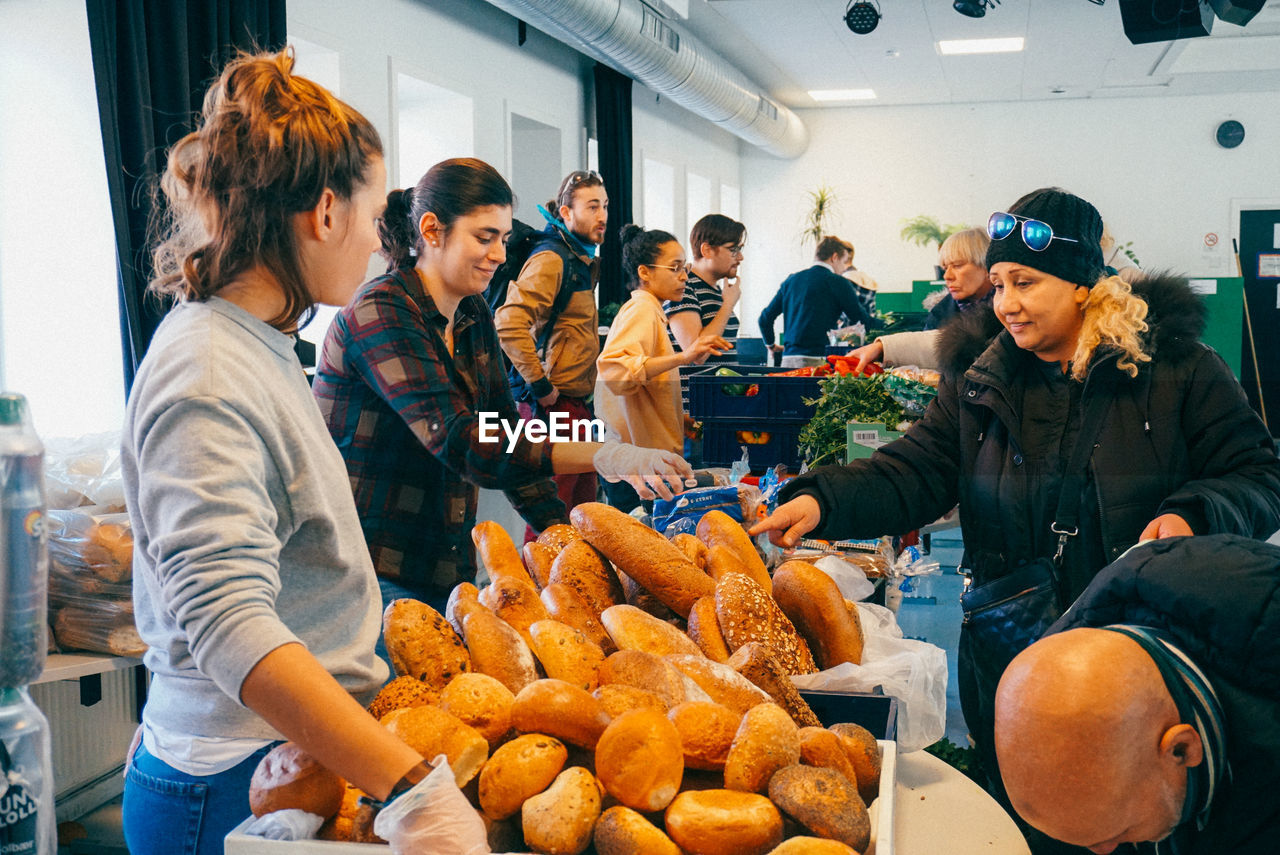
(706, 732)
(481, 702)
(566, 653)
(824, 749)
(567, 606)
(538, 558)
(431, 731)
(766, 741)
(864, 753)
(521, 768)
(724, 822)
(557, 537)
(644, 555)
(695, 550)
(812, 846)
(716, 528)
(463, 600)
(651, 673)
(617, 698)
(497, 552)
(580, 566)
(824, 802)
(759, 666)
(400, 693)
(639, 760)
(421, 643)
(704, 630)
(632, 629)
(623, 831)
(515, 601)
(561, 819)
(813, 602)
(746, 614)
(499, 651)
(637, 595)
(559, 709)
(288, 777)
(722, 684)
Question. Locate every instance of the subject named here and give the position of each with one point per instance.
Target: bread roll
(431, 731)
(557, 537)
(810, 598)
(722, 684)
(695, 550)
(108, 551)
(504, 835)
(497, 552)
(463, 600)
(766, 741)
(566, 653)
(402, 692)
(481, 702)
(644, 555)
(822, 748)
(559, 709)
(581, 567)
(632, 629)
(538, 558)
(722, 559)
(288, 777)
(706, 732)
(499, 651)
(724, 822)
(716, 528)
(824, 802)
(521, 768)
(651, 673)
(759, 666)
(639, 760)
(421, 644)
(704, 630)
(812, 846)
(864, 753)
(637, 595)
(515, 601)
(746, 613)
(617, 698)
(338, 827)
(561, 819)
(622, 831)
(567, 606)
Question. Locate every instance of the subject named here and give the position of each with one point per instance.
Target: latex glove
(791, 521)
(289, 824)
(648, 470)
(433, 817)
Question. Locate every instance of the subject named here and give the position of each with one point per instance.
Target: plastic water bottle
(28, 825)
(24, 556)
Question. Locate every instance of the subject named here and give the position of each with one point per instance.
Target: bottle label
(19, 807)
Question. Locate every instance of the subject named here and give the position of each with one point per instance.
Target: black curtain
(613, 138)
(152, 61)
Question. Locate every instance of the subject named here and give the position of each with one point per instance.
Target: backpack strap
(570, 276)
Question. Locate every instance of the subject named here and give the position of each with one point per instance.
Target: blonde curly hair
(1113, 317)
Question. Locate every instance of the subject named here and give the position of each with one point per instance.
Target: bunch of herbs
(846, 398)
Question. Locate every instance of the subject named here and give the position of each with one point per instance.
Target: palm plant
(923, 230)
(821, 206)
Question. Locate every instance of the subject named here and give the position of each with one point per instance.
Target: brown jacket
(570, 358)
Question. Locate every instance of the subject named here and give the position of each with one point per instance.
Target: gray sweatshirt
(245, 531)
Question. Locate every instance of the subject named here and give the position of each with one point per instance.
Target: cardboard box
(864, 438)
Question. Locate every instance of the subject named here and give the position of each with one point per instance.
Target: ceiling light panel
(842, 94)
(959, 47)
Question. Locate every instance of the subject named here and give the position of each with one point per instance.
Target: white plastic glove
(433, 817)
(648, 470)
(291, 824)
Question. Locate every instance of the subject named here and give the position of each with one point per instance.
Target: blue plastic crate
(722, 445)
(775, 398)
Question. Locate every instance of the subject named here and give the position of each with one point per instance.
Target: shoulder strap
(568, 275)
(1066, 521)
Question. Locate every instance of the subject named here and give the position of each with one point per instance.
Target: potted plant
(822, 202)
(923, 230)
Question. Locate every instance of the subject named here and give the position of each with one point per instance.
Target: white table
(938, 809)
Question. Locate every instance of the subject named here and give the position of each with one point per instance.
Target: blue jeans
(167, 812)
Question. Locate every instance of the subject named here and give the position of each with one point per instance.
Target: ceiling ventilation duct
(632, 37)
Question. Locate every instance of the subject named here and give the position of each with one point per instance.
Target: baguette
(746, 613)
(497, 552)
(636, 595)
(585, 570)
(813, 602)
(722, 559)
(716, 528)
(463, 600)
(704, 630)
(538, 558)
(516, 601)
(565, 605)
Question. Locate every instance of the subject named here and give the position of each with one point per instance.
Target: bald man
(1148, 720)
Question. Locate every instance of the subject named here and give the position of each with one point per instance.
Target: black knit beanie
(1071, 217)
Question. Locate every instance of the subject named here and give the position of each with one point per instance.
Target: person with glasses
(1171, 444)
(561, 377)
(707, 305)
(638, 389)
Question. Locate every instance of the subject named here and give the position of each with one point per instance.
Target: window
(697, 198)
(730, 201)
(535, 166)
(432, 124)
(659, 195)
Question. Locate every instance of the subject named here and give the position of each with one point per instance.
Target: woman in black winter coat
(1178, 450)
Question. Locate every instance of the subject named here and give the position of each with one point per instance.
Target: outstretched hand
(790, 521)
(1166, 525)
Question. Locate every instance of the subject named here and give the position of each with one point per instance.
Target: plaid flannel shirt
(404, 414)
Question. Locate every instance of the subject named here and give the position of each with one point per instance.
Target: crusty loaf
(639, 760)
(810, 598)
(758, 665)
(566, 653)
(722, 559)
(463, 600)
(561, 819)
(804, 845)
(421, 643)
(864, 752)
(559, 709)
(706, 732)
(538, 558)
(516, 601)
(824, 802)
(402, 692)
(716, 528)
(481, 702)
(617, 698)
(721, 683)
(695, 550)
(497, 552)
(499, 651)
(644, 555)
(632, 629)
(767, 740)
(431, 731)
(557, 537)
(746, 613)
(288, 777)
(581, 567)
(724, 822)
(81, 629)
(521, 768)
(704, 630)
(623, 831)
(651, 673)
(637, 595)
(567, 606)
(824, 749)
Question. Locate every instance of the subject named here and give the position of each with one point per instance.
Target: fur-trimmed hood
(1175, 320)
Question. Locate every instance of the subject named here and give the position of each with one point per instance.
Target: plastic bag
(84, 470)
(685, 509)
(849, 578)
(914, 672)
(433, 817)
(292, 824)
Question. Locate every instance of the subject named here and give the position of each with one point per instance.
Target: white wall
(1151, 166)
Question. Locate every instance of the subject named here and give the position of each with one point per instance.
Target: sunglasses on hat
(1036, 234)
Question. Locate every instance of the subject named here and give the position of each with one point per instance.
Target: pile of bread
(618, 690)
(91, 581)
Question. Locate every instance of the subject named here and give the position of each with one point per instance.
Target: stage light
(974, 8)
(861, 16)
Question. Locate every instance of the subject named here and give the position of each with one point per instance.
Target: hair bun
(630, 232)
